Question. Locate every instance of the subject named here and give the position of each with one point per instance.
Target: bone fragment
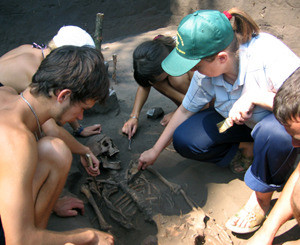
(138, 199)
(123, 200)
(174, 187)
(103, 224)
(110, 165)
(94, 189)
(189, 201)
(126, 203)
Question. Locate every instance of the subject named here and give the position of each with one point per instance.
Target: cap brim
(175, 65)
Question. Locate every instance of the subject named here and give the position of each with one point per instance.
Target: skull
(102, 145)
(108, 147)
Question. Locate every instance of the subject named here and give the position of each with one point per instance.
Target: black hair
(147, 58)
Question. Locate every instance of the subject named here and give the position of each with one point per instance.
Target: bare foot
(247, 148)
(166, 119)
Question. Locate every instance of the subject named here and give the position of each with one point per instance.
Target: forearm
(75, 146)
(52, 129)
(166, 89)
(180, 115)
(263, 99)
(176, 97)
(75, 125)
(140, 99)
(282, 211)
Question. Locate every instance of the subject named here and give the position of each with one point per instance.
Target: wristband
(77, 131)
(135, 117)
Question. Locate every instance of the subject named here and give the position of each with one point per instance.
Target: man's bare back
(18, 65)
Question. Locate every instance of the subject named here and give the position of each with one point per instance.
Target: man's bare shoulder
(12, 128)
(26, 48)
(18, 66)
(11, 131)
(25, 53)
(7, 95)
(17, 142)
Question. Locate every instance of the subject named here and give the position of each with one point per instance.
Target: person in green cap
(242, 69)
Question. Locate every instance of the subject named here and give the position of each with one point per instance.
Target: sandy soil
(218, 191)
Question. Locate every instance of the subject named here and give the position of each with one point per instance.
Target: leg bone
(103, 224)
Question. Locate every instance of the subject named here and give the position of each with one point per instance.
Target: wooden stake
(114, 75)
(98, 30)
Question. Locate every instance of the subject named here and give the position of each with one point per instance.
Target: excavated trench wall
(38, 21)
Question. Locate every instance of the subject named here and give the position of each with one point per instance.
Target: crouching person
(33, 168)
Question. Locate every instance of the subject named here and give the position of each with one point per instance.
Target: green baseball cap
(201, 34)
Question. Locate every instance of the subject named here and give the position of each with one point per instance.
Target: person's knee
(55, 152)
(295, 201)
(189, 147)
(178, 140)
(271, 131)
(182, 143)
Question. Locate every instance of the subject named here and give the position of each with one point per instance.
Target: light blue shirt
(265, 63)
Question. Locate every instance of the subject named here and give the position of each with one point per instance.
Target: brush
(89, 160)
(223, 125)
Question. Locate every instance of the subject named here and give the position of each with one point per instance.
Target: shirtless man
(287, 112)
(33, 169)
(18, 65)
(16, 70)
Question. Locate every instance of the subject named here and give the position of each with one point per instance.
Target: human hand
(91, 169)
(147, 158)
(91, 130)
(103, 238)
(130, 127)
(166, 119)
(242, 110)
(66, 206)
